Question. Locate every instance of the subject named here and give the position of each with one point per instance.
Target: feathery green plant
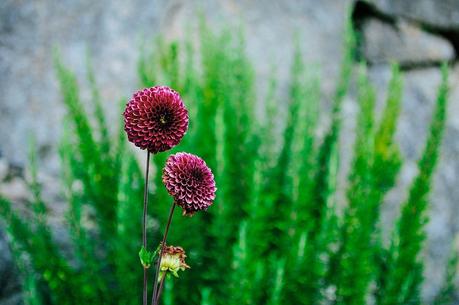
(448, 292)
(404, 276)
(355, 270)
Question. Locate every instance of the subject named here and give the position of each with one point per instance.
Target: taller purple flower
(155, 119)
(188, 179)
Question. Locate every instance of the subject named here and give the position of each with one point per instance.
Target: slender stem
(160, 289)
(144, 228)
(145, 285)
(158, 264)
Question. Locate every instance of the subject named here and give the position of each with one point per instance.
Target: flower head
(155, 119)
(172, 260)
(188, 179)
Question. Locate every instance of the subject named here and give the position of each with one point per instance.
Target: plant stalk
(154, 297)
(160, 289)
(144, 228)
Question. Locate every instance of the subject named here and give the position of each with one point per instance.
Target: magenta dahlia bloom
(188, 179)
(155, 119)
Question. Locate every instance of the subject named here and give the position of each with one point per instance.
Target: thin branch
(160, 288)
(144, 228)
(158, 264)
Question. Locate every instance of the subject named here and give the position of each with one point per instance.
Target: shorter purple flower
(188, 179)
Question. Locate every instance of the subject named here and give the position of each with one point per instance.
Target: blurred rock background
(419, 34)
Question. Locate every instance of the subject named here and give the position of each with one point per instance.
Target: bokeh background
(420, 35)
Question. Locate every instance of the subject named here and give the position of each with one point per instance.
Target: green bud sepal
(146, 257)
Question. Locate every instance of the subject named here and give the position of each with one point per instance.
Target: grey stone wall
(419, 34)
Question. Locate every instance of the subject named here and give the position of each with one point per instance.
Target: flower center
(197, 175)
(163, 119)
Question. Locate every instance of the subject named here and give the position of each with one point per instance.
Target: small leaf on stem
(146, 257)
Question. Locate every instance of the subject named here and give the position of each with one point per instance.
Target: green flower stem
(154, 298)
(144, 228)
(161, 284)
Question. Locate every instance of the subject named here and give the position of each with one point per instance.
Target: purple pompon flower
(155, 119)
(188, 179)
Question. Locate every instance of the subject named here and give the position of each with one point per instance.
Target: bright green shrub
(448, 292)
(404, 275)
(376, 165)
(274, 235)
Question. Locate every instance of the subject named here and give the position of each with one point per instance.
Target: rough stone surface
(15, 189)
(439, 13)
(403, 42)
(109, 31)
(112, 31)
(3, 169)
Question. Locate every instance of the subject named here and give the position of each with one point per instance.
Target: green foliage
(96, 169)
(317, 219)
(376, 164)
(404, 277)
(54, 277)
(275, 234)
(447, 294)
(355, 269)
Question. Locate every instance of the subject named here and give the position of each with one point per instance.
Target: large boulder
(438, 13)
(403, 42)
